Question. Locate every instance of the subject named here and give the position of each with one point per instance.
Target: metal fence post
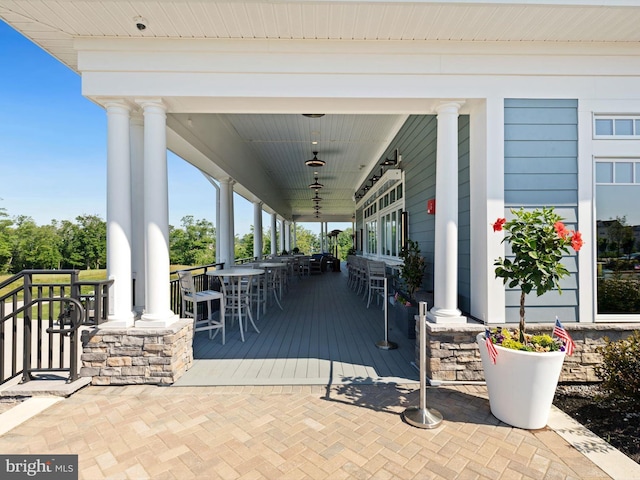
(386, 344)
(422, 417)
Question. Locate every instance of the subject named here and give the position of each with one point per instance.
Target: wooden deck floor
(324, 335)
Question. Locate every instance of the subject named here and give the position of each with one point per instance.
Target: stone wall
(453, 355)
(137, 355)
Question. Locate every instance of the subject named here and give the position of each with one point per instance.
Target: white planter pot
(521, 385)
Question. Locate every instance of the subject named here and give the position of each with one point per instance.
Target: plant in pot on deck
(412, 273)
(522, 370)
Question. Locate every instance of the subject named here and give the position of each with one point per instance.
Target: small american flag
(491, 348)
(562, 334)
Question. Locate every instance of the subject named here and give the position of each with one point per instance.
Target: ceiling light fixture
(313, 115)
(315, 161)
(315, 185)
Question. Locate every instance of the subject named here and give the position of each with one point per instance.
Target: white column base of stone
(157, 320)
(444, 316)
(119, 322)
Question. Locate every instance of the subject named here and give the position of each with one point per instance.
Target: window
(382, 220)
(618, 235)
(623, 171)
(617, 126)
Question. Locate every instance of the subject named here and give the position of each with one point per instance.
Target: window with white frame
(383, 221)
(617, 187)
(616, 126)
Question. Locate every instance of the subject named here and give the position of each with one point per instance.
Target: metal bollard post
(422, 417)
(386, 344)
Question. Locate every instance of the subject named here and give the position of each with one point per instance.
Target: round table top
(236, 272)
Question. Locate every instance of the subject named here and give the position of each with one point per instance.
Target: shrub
(620, 368)
(617, 295)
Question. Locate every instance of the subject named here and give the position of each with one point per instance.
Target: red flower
(497, 227)
(576, 241)
(561, 230)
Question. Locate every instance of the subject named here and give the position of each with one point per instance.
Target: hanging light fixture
(315, 185)
(315, 161)
(313, 115)
(316, 198)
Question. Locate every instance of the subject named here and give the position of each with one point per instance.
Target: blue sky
(53, 147)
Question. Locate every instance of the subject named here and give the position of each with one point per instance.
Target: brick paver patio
(291, 432)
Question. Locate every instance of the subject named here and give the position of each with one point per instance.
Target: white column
(137, 210)
(281, 246)
(232, 228)
(295, 237)
(274, 228)
(156, 218)
(225, 216)
(324, 230)
(445, 263)
(257, 230)
(486, 170)
(119, 214)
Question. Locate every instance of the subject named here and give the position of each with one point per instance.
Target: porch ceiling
(269, 153)
(54, 24)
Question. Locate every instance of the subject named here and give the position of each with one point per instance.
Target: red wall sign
(431, 206)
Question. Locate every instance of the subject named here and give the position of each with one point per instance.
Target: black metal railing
(202, 282)
(39, 321)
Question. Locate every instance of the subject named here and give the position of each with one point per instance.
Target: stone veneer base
(453, 354)
(133, 356)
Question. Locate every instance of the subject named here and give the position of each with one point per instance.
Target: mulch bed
(617, 421)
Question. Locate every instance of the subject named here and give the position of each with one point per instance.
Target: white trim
(486, 168)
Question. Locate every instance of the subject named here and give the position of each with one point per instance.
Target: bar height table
(237, 293)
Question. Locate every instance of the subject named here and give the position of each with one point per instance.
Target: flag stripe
(491, 348)
(560, 332)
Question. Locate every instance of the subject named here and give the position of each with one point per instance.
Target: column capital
(151, 103)
(227, 181)
(117, 107)
(449, 106)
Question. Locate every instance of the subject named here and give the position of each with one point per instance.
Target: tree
(24, 243)
(194, 243)
(69, 237)
(621, 235)
(244, 245)
(92, 240)
(307, 241)
(345, 242)
(6, 239)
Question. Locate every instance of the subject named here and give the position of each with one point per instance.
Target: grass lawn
(85, 276)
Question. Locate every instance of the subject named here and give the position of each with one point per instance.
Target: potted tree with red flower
(515, 361)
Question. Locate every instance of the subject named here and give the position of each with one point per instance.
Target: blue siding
(541, 169)
(416, 142)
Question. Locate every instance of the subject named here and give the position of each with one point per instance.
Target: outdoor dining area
(246, 290)
(272, 321)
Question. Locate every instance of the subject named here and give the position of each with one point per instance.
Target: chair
(190, 295)
(316, 267)
(238, 294)
(305, 266)
(258, 289)
(273, 283)
(376, 274)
